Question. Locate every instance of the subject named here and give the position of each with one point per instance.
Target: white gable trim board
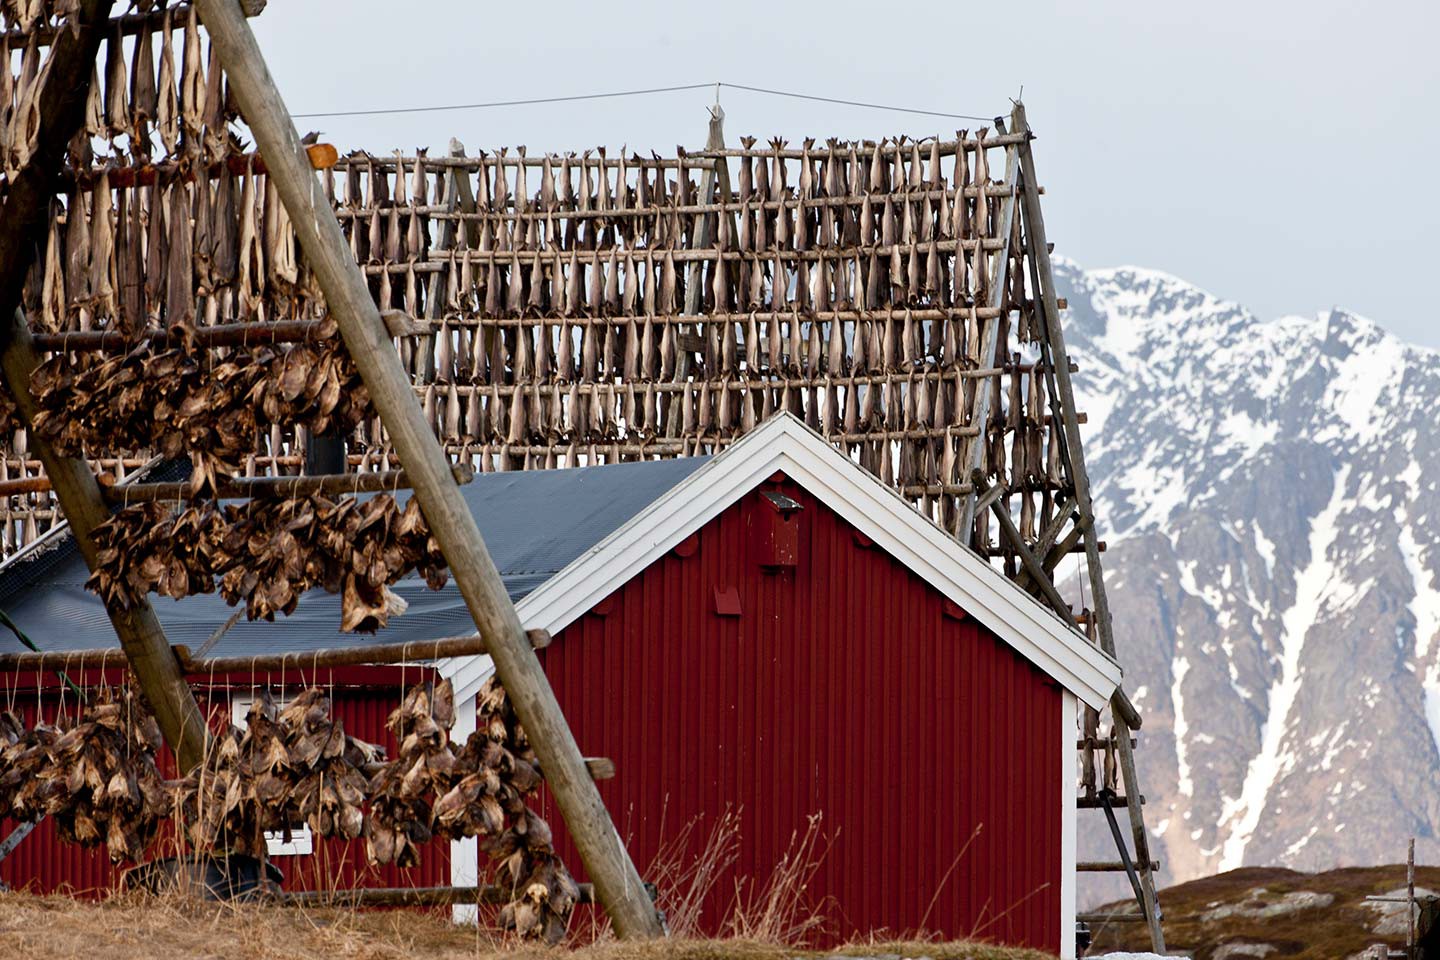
(1069, 730)
(785, 444)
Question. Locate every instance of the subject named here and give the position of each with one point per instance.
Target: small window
(302, 842)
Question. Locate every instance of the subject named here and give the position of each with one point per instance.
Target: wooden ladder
(1119, 786)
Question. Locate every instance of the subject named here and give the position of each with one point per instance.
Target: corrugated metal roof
(534, 522)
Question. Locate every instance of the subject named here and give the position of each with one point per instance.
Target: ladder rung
(1109, 918)
(1100, 743)
(1093, 803)
(1109, 866)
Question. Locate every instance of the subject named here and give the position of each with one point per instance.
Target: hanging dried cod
(267, 553)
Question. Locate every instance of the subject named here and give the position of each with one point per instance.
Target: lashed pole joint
(348, 297)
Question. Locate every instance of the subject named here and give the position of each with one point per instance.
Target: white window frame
(302, 840)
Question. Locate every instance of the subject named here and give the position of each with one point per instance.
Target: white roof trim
(783, 443)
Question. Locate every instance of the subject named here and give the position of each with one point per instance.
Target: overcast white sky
(1281, 154)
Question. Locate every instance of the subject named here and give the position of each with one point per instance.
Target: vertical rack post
(702, 237)
(348, 296)
(1038, 248)
(983, 389)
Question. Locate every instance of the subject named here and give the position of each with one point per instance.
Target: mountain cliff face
(1268, 491)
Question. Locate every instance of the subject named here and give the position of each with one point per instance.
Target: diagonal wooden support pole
(25, 216)
(139, 631)
(1039, 248)
(1119, 700)
(616, 881)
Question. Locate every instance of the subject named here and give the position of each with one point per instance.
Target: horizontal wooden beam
(244, 488)
(397, 323)
(240, 488)
(1107, 866)
(372, 653)
(692, 158)
(601, 768)
(409, 896)
(1094, 803)
(122, 174)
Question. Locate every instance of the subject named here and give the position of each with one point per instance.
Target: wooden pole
(1410, 912)
(246, 488)
(981, 406)
(1038, 247)
(410, 651)
(348, 296)
(141, 637)
(701, 239)
(409, 896)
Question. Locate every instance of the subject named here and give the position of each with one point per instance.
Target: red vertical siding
(42, 863)
(841, 690)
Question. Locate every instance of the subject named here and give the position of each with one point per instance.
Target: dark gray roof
(534, 522)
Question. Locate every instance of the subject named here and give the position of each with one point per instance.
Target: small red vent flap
(727, 601)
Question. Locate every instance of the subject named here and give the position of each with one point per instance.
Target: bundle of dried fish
(182, 402)
(175, 402)
(299, 765)
(102, 785)
(328, 765)
(495, 716)
(266, 553)
(215, 805)
(494, 772)
(543, 892)
(403, 791)
(25, 755)
(276, 550)
(290, 765)
(152, 548)
(313, 383)
(9, 419)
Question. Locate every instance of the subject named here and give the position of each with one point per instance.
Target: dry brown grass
(129, 927)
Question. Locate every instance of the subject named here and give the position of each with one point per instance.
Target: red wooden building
(771, 633)
(781, 636)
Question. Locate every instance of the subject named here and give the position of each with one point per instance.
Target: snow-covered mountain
(1268, 491)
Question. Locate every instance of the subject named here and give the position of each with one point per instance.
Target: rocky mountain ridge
(1268, 493)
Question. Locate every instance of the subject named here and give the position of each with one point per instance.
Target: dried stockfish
(102, 249)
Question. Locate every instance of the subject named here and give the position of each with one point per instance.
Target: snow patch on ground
(1425, 608)
(1360, 381)
(1240, 430)
(1266, 548)
(1184, 785)
(1242, 815)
